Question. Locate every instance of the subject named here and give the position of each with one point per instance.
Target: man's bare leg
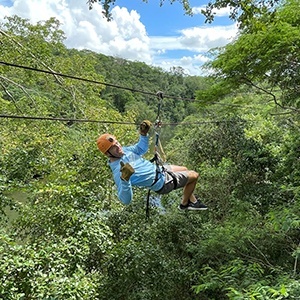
(188, 190)
(175, 168)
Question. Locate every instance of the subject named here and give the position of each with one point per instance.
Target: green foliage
(230, 163)
(5, 202)
(265, 57)
(70, 237)
(107, 4)
(152, 263)
(289, 168)
(45, 270)
(249, 268)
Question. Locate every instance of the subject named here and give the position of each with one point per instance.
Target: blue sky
(159, 36)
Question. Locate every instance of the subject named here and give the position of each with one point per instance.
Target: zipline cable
(113, 85)
(65, 119)
(5, 116)
(87, 80)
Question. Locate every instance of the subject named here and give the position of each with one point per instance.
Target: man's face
(116, 150)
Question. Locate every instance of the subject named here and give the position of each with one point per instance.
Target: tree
(241, 11)
(265, 57)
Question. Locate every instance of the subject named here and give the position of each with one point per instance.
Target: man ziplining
(129, 169)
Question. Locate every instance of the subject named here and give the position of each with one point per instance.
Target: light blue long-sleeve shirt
(145, 171)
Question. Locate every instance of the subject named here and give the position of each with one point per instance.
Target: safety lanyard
(157, 159)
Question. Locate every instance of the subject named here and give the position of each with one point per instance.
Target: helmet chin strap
(110, 155)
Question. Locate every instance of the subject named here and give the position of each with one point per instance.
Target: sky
(159, 36)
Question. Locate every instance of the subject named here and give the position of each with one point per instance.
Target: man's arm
(124, 188)
(141, 147)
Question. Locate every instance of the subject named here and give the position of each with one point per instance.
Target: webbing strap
(148, 204)
(156, 158)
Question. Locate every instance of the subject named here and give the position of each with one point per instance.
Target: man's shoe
(183, 207)
(196, 206)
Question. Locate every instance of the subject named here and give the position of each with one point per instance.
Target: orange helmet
(105, 141)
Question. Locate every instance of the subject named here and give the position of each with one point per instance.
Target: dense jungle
(65, 235)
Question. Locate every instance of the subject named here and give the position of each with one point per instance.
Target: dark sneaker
(196, 206)
(183, 207)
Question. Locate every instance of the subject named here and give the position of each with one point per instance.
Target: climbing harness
(157, 159)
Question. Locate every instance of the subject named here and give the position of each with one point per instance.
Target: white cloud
(125, 36)
(196, 39)
(165, 43)
(190, 63)
(204, 38)
(5, 11)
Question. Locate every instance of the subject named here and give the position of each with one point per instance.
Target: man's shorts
(173, 181)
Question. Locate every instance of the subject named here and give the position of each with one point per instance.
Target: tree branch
(249, 82)
(32, 55)
(265, 258)
(11, 97)
(19, 86)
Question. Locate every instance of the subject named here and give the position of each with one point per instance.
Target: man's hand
(144, 127)
(126, 171)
